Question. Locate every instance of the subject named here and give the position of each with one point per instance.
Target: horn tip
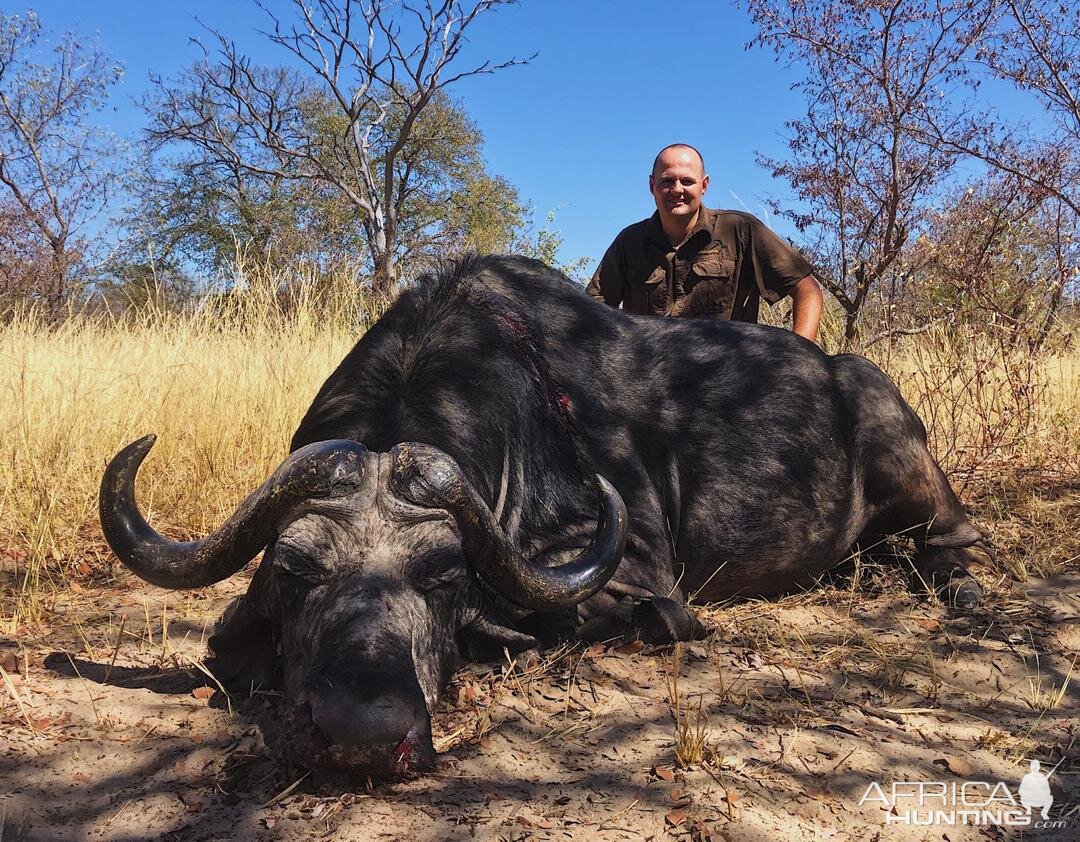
(139, 448)
(611, 492)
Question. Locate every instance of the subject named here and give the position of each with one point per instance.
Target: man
(687, 260)
(1035, 790)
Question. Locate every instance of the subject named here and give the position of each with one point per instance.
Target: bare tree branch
(356, 55)
(872, 71)
(56, 170)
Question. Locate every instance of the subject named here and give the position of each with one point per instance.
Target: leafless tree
(871, 71)
(198, 198)
(56, 171)
(380, 64)
(1035, 45)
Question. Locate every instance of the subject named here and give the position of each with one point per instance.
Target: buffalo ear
(484, 640)
(243, 648)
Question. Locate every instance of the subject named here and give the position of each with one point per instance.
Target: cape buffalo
(460, 480)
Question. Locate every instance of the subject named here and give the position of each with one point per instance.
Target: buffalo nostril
(389, 718)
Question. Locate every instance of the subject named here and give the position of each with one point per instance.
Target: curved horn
(428, 477)
(322, 469)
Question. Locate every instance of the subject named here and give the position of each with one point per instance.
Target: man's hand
(807, 303)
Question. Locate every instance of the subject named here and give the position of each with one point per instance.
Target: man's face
(677, 184)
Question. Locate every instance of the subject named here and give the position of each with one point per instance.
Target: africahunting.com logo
(971, 803)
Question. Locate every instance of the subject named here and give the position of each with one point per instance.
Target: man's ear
(650, 183)
(704, 184)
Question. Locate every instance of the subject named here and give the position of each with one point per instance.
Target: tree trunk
(385, 278)
(851, 318)
(55, 287)
(1052, 307)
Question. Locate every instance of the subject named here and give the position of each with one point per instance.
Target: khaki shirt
(727, 263)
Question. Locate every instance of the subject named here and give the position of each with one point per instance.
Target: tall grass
(225, 386)
(987, 402)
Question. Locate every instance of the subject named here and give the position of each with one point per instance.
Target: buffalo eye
(438, 571)
(295, 562)
(446, 579)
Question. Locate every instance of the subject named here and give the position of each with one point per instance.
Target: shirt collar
(704, 223)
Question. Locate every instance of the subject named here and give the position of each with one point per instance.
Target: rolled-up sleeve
(776, 266)
(608, 282)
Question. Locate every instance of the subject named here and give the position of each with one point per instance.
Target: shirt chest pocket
(711, 287)
(713, 264)
(656, 292)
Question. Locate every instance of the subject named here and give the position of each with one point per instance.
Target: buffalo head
(373, 565)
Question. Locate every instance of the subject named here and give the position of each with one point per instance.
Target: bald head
(676, 150)
(677, 183)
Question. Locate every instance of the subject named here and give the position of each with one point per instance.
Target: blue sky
(576, 129)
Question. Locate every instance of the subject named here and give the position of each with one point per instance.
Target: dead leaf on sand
(819, 790)
(675, 817)
(842, 729)
(960, 768)
(535, 821)
(664, 773)
(9, 661)
(203, 692)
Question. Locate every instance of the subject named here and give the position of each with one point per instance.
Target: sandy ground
(108, 731)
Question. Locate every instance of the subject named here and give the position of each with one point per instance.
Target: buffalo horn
(428, 477)
(322, 469)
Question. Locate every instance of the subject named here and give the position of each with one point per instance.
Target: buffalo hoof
(599, 629)
(663, 620)
(944, 571)
(963, 592)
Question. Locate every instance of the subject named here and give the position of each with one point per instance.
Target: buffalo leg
(946, 542)
(665, 620)
(944, 571)
(243, 648)
(652, 619)
(949, 543)
(904, 491)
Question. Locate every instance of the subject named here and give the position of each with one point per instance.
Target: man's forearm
(807, 302)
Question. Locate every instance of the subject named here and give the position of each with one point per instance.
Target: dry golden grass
(225, 386)
(988, 403)
(691, 730)
(1043, 694)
